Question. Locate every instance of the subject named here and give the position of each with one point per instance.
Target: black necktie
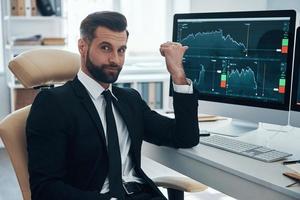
(115, 169)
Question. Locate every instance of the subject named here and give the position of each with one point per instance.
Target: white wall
(243, 5)
(4, 97)
(1, 41)
(228, 5)
(285, 4)
(4, 92)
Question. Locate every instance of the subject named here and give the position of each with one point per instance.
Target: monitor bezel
(247, 14)
(294, 106)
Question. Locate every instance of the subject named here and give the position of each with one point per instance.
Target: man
(84, 138)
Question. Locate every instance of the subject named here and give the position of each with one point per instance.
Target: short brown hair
(112, 20)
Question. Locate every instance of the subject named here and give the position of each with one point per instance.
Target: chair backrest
(12, 132)
(44, 66)
(33, 68)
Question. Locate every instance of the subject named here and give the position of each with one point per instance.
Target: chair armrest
(179, 183)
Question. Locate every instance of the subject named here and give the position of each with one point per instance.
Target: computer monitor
(295, 106)
(240, 64)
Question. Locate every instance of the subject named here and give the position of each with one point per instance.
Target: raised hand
(173, 53)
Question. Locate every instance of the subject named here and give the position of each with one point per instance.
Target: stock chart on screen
(237, 57)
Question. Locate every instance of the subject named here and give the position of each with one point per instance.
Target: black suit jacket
(66, 144)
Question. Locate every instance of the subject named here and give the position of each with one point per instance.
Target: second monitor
(295, 107)
(240, 64)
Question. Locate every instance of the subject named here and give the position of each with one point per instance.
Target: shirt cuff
(185, 89)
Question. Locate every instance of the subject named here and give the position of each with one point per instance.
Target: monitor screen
(239, 59)
(295, 107)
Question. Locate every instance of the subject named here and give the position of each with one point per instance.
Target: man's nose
(114, 58)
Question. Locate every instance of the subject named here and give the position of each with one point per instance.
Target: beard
(98, 71)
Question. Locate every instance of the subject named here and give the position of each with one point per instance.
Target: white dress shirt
(95, 90)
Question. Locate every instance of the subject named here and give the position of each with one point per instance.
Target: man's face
(104, 57)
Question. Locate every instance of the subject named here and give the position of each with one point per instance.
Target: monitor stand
(235, 128)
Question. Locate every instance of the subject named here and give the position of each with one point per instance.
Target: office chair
(47, 67)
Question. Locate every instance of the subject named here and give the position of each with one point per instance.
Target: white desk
(238, 176)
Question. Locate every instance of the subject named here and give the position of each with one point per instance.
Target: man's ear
(82, 46)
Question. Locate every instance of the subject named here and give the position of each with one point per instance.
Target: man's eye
(122, 50)
(106, 48)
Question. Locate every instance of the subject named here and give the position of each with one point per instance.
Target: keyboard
(243, 148)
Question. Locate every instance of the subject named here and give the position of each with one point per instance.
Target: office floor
(9, 189)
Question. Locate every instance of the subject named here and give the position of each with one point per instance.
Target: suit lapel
(85, 99)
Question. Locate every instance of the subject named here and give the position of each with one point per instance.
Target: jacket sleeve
(181, 132)
(47, 136)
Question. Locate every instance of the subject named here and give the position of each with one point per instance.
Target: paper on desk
(209, 118)
(295, 167)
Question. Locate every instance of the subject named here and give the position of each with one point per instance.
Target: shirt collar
(93, 87)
